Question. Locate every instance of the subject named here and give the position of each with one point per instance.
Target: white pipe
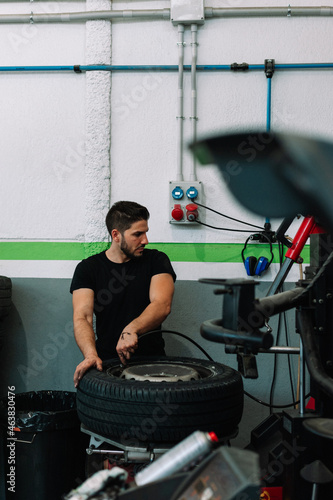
(194, 118)
(67, 17)
(180, 101)
(269, 12)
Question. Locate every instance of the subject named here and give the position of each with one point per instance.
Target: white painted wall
(73, 144)
(42, 128)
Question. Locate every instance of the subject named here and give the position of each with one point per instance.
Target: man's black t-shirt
(121, 294)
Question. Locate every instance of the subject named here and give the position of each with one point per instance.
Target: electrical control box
(183, 196)
(187, 12)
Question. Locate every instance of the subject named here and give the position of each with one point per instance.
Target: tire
(5, 296)
(143, 411)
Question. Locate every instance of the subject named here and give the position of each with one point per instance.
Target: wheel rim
(168, 371)
(160, 372)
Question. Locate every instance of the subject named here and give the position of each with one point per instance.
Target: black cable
(224, 228)
(180, 335)
(288, 357)
(228, 216)
(273, 406)
(271, 394)
(211, 359)
(281, 254)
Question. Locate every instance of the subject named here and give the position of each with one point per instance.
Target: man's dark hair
(123, 214)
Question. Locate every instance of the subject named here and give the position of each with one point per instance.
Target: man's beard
(131, 255)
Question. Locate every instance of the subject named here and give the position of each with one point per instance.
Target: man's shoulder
(97, 257)
(153, 252)
(92, 261)
(159, 262)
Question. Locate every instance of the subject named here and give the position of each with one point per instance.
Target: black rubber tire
(5, 296)
(141, 411)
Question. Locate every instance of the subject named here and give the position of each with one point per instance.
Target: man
(128, 288)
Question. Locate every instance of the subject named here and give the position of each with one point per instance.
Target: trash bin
(45, 458)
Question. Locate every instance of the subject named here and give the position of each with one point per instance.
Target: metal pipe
(194, 118)
(280, 277)
(281, 350)
(180, 98)
(91, 451)
(68, 17)
(72, 17)
(269, 12)
(301, 379)
(276, 303)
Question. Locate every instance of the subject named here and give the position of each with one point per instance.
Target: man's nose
(144, 240)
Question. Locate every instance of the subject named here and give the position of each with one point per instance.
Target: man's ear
(115, 235)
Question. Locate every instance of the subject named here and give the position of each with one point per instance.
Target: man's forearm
(85, 337)
(154, 314)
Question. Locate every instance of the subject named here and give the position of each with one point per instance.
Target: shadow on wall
(13, 352)
(38, 348)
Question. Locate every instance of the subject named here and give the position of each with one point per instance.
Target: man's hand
(126, 346)
(87, 363)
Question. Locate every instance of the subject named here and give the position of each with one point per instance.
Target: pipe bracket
(269, 67)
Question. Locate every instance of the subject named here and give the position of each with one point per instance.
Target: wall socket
(182, 198)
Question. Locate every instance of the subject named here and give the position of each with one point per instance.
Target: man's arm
(83, 307)
(160, 294)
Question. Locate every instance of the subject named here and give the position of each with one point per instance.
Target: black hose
(311, 353)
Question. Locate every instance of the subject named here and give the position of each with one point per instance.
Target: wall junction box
(181, 196)
(187, 12)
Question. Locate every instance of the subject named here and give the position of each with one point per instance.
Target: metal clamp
(239, 67)
(289, 11)
(32, 18)
(269, 67)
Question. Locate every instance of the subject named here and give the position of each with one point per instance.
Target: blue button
(177, 193)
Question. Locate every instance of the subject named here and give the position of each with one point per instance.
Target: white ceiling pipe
(269, 12)
(72, 17)
(194, 118)
(180, 101)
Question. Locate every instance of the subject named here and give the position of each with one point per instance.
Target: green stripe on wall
(177, 252)
(49, 250)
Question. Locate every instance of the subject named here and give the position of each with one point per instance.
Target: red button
(191, 212)
(177, 213)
